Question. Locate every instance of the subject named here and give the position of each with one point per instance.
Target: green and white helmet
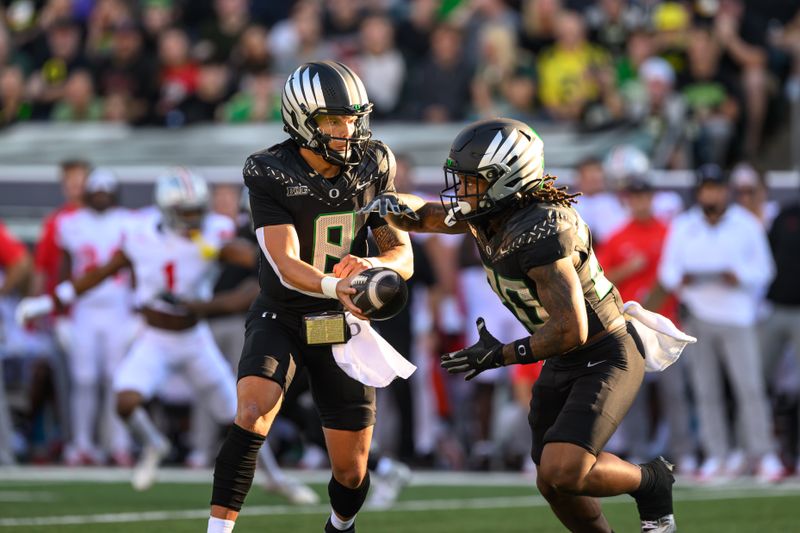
(505, 152)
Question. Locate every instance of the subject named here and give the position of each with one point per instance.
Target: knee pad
(346, 501)
(235, 467)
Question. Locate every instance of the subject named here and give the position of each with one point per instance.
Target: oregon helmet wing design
(326, 88)
(506, 153)
(182, 197)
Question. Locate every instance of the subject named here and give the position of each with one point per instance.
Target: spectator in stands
(15, 268)
(499, 60)
(104, 17)
(299, 39)
(79, 103)
(414, 29)
(341, 21)
(157, 17)
(781, 330)
(251, 53)
(612, 22)
(539, 24)
(520, 95)
(475, 16)
(573, 73)
(711, 96)
(178, 74)
(638, 48)
(10, 55)
(59, 54)
(128, 70)
(630, 259)
(212, 92)
(750, 191)
(14, 103)
(256, 101)
(717, 260)
(745, 55)
(380, 65)
(439, 89)
(219, 35)
(599, 207)
(660, 113)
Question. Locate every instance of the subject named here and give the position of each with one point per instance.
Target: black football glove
(485, 354)
(385, 204)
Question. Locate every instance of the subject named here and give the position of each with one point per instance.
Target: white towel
(663, 341)
(368, 358)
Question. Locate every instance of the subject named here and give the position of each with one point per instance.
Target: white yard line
(33, 476)
(460, 504)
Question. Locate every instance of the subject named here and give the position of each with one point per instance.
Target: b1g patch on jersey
(297, 190)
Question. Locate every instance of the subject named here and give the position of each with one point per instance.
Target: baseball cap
(102, 180)
(638, 184)
(710, 173)
(745, 176)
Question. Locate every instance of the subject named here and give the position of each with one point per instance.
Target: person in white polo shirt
(717, 260)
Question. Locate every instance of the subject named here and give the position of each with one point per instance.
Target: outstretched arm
(97, 275)
(428, 217)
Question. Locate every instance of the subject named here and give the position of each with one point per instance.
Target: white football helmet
(182, 197)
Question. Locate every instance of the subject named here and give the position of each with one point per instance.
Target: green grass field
(34, 500)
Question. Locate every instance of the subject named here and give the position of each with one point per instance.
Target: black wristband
(522, 351)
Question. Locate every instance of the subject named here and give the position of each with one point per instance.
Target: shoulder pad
(536, 223)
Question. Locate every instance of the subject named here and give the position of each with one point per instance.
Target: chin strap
(462, 207)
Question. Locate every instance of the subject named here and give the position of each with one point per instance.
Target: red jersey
(11, 250)
(637, 238)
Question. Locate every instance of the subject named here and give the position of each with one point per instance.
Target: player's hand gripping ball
(381, 293)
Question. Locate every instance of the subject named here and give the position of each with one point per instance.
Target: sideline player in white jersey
(173, 252)
(97, 340)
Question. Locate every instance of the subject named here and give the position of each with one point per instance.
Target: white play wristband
(65, 292)
(328, 284)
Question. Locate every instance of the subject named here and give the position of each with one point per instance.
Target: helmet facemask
(355, 146)
(458, 205)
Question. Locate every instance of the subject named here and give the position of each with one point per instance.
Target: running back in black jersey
(536, 235)
(284, 189)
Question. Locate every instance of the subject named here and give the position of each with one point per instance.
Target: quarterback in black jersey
(537, 253)
(306, 195)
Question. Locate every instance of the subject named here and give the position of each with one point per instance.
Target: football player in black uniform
(537, 253)
(305, 194)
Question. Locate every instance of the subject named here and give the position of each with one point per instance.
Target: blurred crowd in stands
(699, 79)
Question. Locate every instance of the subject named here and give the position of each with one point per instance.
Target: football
(381, 293)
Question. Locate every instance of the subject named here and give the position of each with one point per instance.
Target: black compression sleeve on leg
(235, 467)
(345, 501)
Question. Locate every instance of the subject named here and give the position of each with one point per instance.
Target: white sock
(218, 525)
(84, 415)
(143, 429)
(338, 523)
(384, 466)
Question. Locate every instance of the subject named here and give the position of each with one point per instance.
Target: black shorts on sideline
(274, 349)
(581, 398)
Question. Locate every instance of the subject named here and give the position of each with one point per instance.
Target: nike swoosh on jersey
(590, 364)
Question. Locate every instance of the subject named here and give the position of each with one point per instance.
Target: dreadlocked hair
(547, 192)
